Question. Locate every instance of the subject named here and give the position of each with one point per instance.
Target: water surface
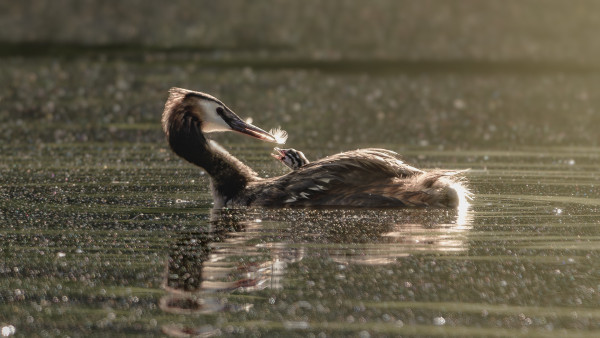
(106, 232)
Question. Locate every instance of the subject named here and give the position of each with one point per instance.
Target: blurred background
(533, 30)
(335, 74)
(98, 218)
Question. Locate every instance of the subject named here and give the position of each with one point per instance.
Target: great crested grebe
(291, 157)
(358, 178)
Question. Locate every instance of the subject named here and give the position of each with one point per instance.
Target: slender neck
(229, 176)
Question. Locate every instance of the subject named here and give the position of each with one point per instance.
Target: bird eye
(222, 112)
(224, 115)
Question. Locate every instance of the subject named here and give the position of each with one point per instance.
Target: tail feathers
(439, 188)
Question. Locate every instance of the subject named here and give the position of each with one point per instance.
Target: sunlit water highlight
(123, 248)
(105, 232)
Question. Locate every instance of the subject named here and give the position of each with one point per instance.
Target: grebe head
(192, 112)
(292, 158)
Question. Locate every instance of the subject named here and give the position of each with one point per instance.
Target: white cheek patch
(211, 121)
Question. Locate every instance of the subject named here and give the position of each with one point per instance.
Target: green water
(105, 232)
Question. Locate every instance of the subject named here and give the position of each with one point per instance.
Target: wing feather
(365, 177)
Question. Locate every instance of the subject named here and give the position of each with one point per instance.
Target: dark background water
(105, 231)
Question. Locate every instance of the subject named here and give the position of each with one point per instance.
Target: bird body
(362, 178)
(359, 178)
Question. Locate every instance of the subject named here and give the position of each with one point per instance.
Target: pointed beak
(237, 124)
(278, 153)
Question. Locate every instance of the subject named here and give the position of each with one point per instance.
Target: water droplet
(364, 334)
(460, 104)
(8, 330)
(295, 325)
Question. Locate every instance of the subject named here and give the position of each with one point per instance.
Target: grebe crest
(206, 114)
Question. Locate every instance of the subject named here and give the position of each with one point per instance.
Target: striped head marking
(292, 158)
